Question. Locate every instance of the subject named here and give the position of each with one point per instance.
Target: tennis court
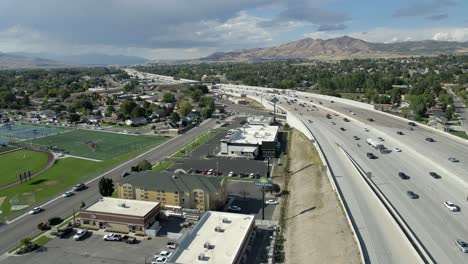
(18, 132)
(94, 144)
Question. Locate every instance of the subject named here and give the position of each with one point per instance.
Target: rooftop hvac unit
(208, 245)
(219, 229)
(201, 257)
(123, 205)
(226, 221)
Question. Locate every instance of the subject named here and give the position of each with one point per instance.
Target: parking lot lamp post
(263, 203)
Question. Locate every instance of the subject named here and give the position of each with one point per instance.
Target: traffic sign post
(263, 182)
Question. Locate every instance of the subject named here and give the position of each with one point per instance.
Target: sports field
(20, 161)
(94, 144)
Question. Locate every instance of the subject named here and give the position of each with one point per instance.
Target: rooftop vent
(123, 205)
(202, 257)
(219, 229)
(226, 221)
(208, 245)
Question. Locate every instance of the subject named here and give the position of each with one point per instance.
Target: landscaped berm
(94, 144)
(20, 161)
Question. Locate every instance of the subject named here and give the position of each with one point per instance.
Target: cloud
(423, 8)
(332, 27)
(314, 15)
(389, 35)
(437, 17)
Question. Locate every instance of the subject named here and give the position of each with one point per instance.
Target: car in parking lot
(159, 259)
(342, 129)
(462, 245)
(403, 175)
(451, 206)
(165, 254)
(434, 175)
(381, 139)
(400, 133)
(452, 159)
(79, 187)
(397, 149)
(171, 245)
(370, 119)
(346, 119)
(428, 139)
(80, 234)
(271, 201)
(412, 195)
(112, 237)
(356, 138)
(35, 210)
(234, 208)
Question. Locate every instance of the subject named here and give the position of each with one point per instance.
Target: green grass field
(461, 134)
(20, 161)
(162, 165)
(95, 144)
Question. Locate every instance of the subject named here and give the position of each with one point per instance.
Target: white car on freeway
(451, 206)
(462, 245)
(35, 210)
(397, 149)
(271, 201)
(67, 194)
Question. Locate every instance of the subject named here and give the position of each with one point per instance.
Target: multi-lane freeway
(434, 225)
(26, 225)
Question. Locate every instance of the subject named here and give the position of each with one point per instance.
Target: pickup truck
(112, 237)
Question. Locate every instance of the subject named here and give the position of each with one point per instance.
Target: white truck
(374, 143)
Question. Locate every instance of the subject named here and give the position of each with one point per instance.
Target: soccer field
(95, 144)
(20, 161)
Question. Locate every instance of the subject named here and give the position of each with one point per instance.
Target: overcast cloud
(178, 29)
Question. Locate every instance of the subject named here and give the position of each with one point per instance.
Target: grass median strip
(162, 165)
(183, 152)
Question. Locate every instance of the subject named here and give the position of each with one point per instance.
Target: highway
(434, 225)
(26, 225)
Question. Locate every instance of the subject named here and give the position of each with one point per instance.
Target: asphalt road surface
(26, 225)
(435, 226)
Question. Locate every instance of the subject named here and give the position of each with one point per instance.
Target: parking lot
(92, 250)
(254, 206)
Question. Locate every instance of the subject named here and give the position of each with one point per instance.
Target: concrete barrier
(420, 249)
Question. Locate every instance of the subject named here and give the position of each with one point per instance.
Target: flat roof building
(188, 191)
(248, 140)
(120, 215)
(218, 237)
(260, 120)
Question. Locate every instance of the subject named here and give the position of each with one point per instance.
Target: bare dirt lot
(316, 228)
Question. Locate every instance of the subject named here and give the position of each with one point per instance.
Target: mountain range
(23, 60)
(340, 48)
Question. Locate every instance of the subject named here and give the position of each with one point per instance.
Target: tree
(106, 186)
(175, 117)
(449, 113)
(127, 107)
(206, 112)
(137, 112)
(184, 107)
(207, 101)
(110, 109)
(144, 165)
(169, 98)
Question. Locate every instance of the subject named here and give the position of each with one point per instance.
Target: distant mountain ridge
(10, 61)
(341, 48)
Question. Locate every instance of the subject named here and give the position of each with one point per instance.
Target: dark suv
(434, 175)
(403, 175)
(79, 187)
(400, 133)
(412, 195)
(430, 139)
(371, 155)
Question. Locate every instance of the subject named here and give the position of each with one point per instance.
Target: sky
(186, 29)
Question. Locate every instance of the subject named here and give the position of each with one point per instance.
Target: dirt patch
(52, 183)
(316, 228)
(2, 199)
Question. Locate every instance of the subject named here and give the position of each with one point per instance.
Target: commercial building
(237, 100)
(120, 215)
(188, 191)
(218, 237)
(250, 141)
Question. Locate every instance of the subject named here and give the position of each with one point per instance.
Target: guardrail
(418, 246)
